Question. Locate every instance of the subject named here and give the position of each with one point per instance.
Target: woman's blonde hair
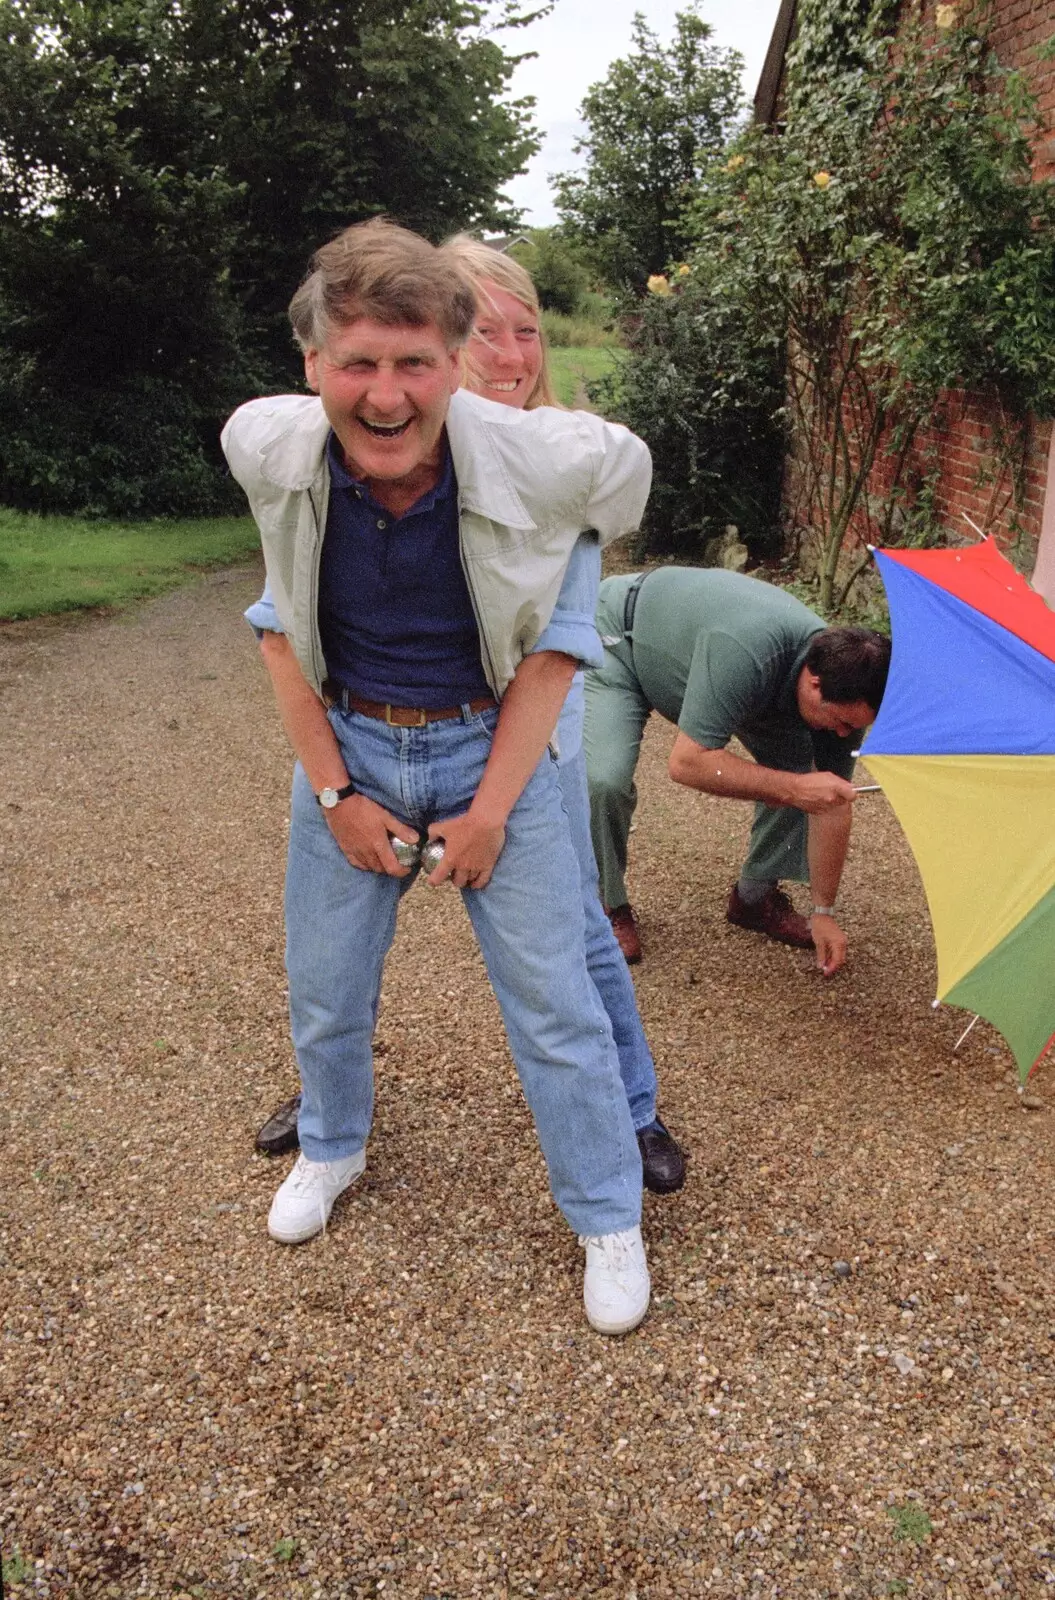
(480, 265)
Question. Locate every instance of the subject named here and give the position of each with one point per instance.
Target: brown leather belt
(399, 716)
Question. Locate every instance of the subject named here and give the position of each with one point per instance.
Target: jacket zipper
(488, 658)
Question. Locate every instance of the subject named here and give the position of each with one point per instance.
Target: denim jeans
(528, 922)
(604, 959)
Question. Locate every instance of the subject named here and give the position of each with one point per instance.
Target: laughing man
(415, 540)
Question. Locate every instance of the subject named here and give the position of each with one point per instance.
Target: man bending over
(720, 654)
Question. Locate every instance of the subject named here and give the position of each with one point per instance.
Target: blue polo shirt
(570, 630)
(395, 617)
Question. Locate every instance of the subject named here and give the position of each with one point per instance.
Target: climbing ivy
(885, 236)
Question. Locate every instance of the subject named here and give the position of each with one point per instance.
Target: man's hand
(815, 792)
(830, 944)
(471, 847)
(722, 773)
(361, 828)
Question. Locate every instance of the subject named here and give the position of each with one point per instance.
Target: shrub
(130, 451)
(704, 391)
(563, 333)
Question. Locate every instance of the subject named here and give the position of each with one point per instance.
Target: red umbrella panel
(964, 747)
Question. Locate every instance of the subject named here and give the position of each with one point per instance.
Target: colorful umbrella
(964, 747)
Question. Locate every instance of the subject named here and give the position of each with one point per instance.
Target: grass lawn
(576, 365)
(63, 564)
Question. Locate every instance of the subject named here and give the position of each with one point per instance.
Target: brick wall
(963, 436)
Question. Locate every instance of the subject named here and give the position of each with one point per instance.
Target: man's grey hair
(387, 274)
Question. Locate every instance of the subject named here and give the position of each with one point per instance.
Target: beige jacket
(529, 483)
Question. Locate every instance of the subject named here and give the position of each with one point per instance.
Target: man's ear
(457, 368)
(311, 368)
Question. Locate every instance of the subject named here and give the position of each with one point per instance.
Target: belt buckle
(400, 720)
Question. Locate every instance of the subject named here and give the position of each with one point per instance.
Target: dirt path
(413, 1406)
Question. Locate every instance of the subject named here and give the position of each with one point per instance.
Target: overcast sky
(575, 45)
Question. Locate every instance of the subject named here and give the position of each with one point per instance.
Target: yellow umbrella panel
(982, 829)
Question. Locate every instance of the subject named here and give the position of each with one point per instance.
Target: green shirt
(720, 654)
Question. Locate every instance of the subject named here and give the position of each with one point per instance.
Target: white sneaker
(302, 1206)
(616, 1287)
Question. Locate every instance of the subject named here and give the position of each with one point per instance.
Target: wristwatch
(328, 798)
(823, 911)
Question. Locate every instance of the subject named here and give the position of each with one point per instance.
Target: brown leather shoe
(662, 1161)
(625, 929)
(279, 1133)
(774, 915)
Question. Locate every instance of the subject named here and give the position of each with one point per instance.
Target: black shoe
(662, 1162)
(279, 1133)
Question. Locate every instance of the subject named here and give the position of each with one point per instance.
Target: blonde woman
(505, 361)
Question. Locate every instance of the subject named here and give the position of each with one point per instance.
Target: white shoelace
(302, 1178)
(617, 1252)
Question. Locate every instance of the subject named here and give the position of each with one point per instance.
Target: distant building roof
(504, 241)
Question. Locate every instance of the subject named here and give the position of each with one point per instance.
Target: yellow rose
(683, 270)
(945, 17)
(735, 163)
(657, 284)
(822, 179)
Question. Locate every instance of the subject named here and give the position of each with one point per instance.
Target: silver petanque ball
(405, 851)
(431, 856)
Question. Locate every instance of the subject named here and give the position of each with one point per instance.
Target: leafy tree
(655, 122)
(121, 337)
(333, 114)
(165, 171)
(556, 270)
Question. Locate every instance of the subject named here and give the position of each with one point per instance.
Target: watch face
(328, 798)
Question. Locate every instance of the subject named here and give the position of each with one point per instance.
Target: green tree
(121, 342)
(556, 270)
(654, 124)
(885, 245)
(333, 114)
(165, 171)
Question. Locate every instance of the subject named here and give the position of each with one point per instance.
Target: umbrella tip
(935, 1004)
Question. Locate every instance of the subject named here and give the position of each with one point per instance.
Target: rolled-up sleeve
(571, 629)
(262, 616)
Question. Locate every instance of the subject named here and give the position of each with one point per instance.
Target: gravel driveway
(845, 1384)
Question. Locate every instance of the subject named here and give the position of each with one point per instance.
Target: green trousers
(616, 713)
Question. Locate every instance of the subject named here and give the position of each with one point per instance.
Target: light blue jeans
(340, 923)
(604, 959)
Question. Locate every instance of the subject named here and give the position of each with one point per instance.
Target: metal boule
(432, 855)
(406, 851)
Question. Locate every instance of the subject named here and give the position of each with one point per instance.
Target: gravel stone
(413, 1404)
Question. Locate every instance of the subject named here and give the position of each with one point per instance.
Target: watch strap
(342, 793)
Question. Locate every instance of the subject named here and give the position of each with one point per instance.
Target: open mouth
(505, 387)
(385, 430)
